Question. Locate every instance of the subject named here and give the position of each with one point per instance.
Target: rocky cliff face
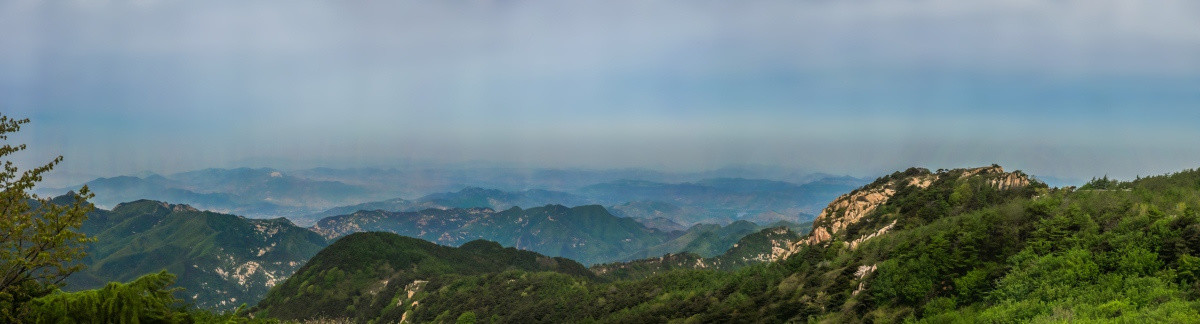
(863, 204)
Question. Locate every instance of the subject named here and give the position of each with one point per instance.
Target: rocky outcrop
(862, 273)
(854, 244)
(862, 204)
(847, 209)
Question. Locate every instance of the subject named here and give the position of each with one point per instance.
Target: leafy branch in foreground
(39, 246)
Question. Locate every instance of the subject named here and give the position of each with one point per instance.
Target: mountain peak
(860, 205)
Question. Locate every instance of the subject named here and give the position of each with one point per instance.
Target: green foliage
(467, 317)
(1105, 183)
(146, 299)
(365, 275)
(39, 242)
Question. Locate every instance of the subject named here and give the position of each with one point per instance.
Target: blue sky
(1069, 89)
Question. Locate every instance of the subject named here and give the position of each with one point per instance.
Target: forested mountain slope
(765, 245)
(965, 245)
(221, 260)
(384, 275)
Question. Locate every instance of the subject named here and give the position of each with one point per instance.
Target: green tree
(39, 245)
(467, 317)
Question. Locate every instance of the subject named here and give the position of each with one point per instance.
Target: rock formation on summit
(862, 205)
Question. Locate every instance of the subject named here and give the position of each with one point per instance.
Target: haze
(1069, 89)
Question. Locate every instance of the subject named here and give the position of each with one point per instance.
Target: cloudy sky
(1070, 89)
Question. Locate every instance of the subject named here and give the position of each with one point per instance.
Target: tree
(39, 245)
(467, 317)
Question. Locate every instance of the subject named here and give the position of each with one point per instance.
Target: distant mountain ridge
(470, 197)
(258, 193)
(588, 234)
(720, 200)
(304, 196)
(714, 201)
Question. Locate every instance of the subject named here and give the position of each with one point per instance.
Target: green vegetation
(39, 245)
(758, 247)
(223, 260)
(145, 299)
(1105, 183)
(42, 244)
(368, 275)
(962, 250)
(707, 240)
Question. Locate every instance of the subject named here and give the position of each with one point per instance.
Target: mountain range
(305, 196)
(961, 245)
(225, 260)
(258, 193)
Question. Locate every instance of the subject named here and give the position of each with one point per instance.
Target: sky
(1067, 89)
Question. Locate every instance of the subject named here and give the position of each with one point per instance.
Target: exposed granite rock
(860, 204)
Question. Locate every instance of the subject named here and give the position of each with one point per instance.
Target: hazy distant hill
(588, 234)
(497, 199)
(308, 195)
(221, 260)
(258, 193)
(471, 197)
(274, 186)
(720, 200)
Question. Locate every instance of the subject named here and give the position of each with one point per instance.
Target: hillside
(258, 193)
(375, 274)
(765, 245)
(221, 260)
(963, 245)
(705, 240)
(588, 234)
